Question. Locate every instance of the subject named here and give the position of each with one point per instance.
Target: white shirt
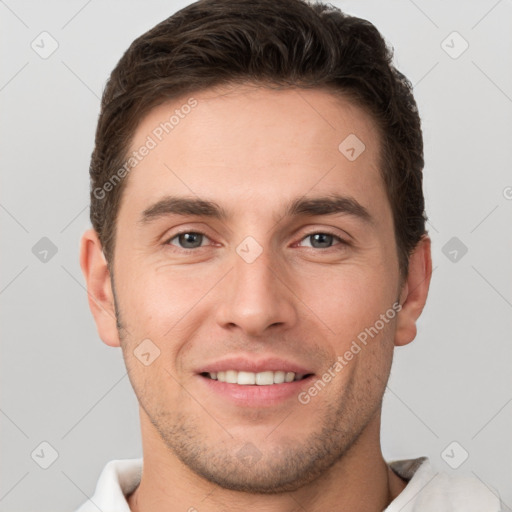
(427, 491)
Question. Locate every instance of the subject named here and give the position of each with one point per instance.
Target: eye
(188, 240)
(322, 240)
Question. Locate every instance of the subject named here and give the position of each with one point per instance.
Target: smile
(266, 378)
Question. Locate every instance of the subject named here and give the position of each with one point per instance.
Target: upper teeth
(250, 378)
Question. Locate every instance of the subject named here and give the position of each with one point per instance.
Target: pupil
(190, 240)
(321, 240)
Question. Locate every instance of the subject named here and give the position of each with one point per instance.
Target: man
(258, 250)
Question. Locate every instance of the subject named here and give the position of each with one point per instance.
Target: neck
(360, 481)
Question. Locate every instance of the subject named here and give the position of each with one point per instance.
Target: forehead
(256, 143)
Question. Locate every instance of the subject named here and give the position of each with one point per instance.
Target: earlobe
(414, 292)
(99, 287)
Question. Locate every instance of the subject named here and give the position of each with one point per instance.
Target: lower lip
(257, 396)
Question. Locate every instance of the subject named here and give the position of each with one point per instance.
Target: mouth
(249, 383)
(265, 378)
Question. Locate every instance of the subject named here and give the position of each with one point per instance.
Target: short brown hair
(285, 43)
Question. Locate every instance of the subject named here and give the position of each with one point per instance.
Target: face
(252, 250)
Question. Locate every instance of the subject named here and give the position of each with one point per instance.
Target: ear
(414, 292)
(99, 287)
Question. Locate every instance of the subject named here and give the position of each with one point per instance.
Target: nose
(255, 297)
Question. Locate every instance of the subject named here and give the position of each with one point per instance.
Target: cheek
(349, 299)
(162, 302)
(145, 291)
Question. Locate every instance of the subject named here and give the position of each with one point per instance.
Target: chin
(260, 467)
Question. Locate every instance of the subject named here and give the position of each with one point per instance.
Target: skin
(252, 150)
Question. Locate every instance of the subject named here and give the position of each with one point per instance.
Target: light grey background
(62, 385)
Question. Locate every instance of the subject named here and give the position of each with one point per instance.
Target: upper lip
(253, 365)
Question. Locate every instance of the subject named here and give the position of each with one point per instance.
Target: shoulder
(430, 490)
(117, 480)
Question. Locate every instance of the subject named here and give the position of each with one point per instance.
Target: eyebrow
(172, 205)
(328, 205)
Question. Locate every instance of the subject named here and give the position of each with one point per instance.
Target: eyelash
(340, 240)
